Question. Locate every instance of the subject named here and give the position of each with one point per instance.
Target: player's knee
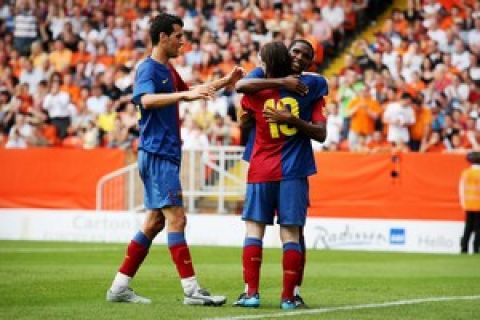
(155, 225)
(178, 223)
(158, 224)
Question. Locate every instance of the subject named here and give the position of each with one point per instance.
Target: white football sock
(189, 285)
(120, 282)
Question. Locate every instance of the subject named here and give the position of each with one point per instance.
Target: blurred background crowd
(67, 69)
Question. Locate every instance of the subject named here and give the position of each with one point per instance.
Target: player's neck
(159, 56)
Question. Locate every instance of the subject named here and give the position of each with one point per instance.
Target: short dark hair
(163, 23)
(277, 59)
(305, 42)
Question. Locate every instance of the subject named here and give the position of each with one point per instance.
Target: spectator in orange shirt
(434, 143)
(24, 98)
(125, 52)
(60, 57)
(458, 144)
(38, 56)
(420, 130)
(69, 86)
(104, 58)
(81, 55)
(16, 62)
(228, 63)
(415, 85)
(378, 143)
(363, 110)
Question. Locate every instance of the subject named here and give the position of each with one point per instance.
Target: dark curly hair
(277, 59)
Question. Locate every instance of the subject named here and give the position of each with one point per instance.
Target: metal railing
(212, 179)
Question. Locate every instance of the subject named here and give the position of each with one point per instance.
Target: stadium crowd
(67, 68)
(416, 87)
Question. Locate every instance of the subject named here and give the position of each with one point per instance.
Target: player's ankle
(189, 285)
(120, 283)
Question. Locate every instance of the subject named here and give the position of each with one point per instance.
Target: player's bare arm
(290, 83)
(206, 91)
(316, 131)
(229, 80)
(159, 100)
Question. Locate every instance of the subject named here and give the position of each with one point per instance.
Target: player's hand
(278, 116)
(200, 92)
(293, 84)
(233, 76)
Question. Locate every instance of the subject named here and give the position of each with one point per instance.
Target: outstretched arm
(229, 80)
(160, 100)
(253, 85)
(206, 91)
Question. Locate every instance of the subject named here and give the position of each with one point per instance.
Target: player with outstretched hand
(157, 91)
(286, 117)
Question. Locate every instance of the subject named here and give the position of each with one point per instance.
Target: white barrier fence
(228, 230)
(214, 174)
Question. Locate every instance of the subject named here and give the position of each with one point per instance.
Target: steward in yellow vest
(470, 202)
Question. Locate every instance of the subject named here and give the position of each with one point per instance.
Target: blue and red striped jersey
(276, 151)
(159, 127)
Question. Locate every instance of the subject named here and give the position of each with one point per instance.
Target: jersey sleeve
(321, 87)
(256, 73)
(318, 115)
(179, 83)
(182, 86)
(143, 84)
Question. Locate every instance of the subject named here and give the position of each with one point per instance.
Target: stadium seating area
(416, 87)
(67, 68)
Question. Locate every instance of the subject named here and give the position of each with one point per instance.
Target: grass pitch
(53, 280)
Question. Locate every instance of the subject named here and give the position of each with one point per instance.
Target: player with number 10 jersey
(276, 151)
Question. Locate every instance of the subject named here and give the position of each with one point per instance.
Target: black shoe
(299, 302)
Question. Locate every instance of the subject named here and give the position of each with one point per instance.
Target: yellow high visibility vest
(470, 189)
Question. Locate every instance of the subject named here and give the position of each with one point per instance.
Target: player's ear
(163, 36)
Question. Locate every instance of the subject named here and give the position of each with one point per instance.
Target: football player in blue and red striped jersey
(287, 112)
(157, 91)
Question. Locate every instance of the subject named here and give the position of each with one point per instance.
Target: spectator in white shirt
(97, 103)
(90, 36)
(334, 14)
(399, 116)
(31, 76)
(460, 57)
(474, 70)
(431, 7)
(438, 35)
(334, 127)
(413, 58)
(20, 134)
(474, 38)
(321, 29)
(59, 109)
(389, 57)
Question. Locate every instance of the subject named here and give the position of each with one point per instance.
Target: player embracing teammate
(287, 114)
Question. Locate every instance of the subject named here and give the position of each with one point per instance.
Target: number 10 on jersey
(275, 128)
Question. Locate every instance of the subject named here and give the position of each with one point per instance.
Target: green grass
(51, 280)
